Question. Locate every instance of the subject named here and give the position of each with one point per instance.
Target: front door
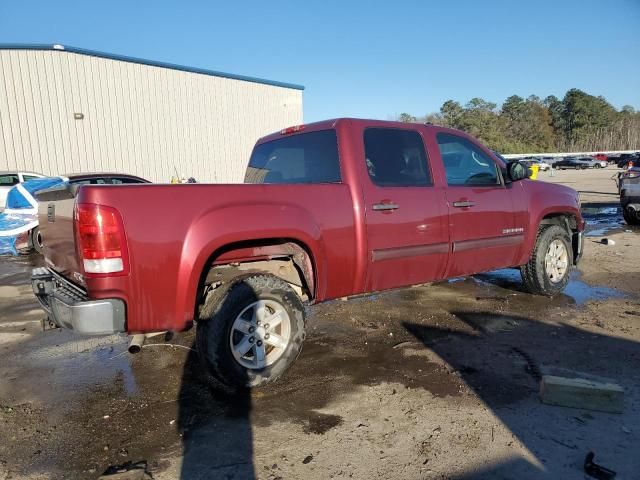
(406, 215)
(484, 235)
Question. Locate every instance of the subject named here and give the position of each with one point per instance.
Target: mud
(436, 381)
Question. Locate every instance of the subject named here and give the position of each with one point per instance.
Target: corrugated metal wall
(139, 119)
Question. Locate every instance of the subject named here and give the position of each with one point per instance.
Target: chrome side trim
(478, 243)
(407, 252)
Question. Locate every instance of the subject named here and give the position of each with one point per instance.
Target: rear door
(406, 216)
(480, 207)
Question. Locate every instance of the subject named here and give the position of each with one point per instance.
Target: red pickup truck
(330, 209)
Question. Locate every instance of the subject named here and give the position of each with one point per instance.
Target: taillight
(101, 241)
(290, 130)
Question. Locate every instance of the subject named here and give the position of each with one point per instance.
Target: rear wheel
(597, 165)
(631, 216)
(36, 240)
(547, 272)
(251, 332)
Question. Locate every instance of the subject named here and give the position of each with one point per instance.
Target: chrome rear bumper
(69, 307)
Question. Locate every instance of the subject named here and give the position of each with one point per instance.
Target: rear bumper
(69, 307)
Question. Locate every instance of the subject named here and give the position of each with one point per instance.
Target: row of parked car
(625, 159)
(19, 227)
(599, 160)
(579, 163)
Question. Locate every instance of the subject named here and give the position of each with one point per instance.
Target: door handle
(385, 206)
(463, 204)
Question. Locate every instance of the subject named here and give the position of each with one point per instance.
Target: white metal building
(66, 110)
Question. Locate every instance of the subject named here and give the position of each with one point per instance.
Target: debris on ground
(582, 393)
(597, 471)
(608, 241)
(127, 471)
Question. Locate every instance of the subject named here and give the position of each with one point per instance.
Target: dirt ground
(436, 381)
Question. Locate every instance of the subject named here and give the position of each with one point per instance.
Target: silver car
(10, 179)
(591, 162)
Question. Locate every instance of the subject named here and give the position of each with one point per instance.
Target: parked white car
(8, 180)
(544, 166)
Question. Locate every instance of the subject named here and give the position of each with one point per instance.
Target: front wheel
(547, 272)
(250, 333)
(597, 165)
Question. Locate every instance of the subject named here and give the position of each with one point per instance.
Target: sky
(368, 59)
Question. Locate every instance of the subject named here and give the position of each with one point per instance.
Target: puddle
(577, 290)
(16, 270)
(602, 220)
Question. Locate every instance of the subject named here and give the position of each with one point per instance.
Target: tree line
(578, 122)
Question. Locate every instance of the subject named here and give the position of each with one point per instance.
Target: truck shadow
(500, 361)
(215, 427)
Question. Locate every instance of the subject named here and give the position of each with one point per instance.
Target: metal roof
(153, 63)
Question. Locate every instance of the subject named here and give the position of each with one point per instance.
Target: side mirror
(517, 171)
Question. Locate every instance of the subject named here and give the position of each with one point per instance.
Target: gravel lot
(436, 381)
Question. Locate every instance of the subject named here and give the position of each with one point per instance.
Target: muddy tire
(249, 333)
(630, 216)
(35, 240)
(549, 267)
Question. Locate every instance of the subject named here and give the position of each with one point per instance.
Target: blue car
(19, 221)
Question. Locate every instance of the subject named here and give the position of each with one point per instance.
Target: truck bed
(173, 231)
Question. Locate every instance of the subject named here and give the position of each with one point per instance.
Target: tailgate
(55, 214)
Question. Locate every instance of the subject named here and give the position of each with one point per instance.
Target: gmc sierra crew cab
(330, 209)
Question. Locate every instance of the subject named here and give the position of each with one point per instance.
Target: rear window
(9, 180)
(303, 158)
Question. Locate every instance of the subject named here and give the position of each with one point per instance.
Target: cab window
(304, 158)
(465, 164)
(396, 158)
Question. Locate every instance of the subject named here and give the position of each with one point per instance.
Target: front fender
(547, 200)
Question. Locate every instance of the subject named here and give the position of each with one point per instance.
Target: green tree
(451, 112)
(578, 122)
(406, 118)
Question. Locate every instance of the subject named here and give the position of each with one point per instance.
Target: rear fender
(248, 225)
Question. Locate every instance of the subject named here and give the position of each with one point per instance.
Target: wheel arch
(289, 259)
(570, 222)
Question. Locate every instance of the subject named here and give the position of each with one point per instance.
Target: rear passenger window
(9, 180)
(466, 164)
(303, 158)
(396, 158)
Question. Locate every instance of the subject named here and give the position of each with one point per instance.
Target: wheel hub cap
(260, 334)
(556, 261)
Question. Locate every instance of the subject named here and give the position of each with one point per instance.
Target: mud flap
(577, 242)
